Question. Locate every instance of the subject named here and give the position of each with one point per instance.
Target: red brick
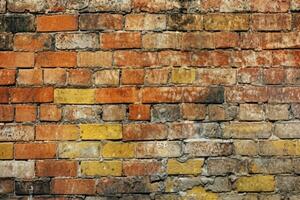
(271, 22)
(10, 59)
(284, 94)
(270, 5)
(25, 113)
(145, 131)
(31, 95)
(7, 77)
(33, 42)
(57, 132)
(50, 113)
(30, 77)
(56, 59)
(50, 23)
(162, 94)
(139, 112)
(241, 94)
(55, 76)
(132, 76)
(4, 95)
(274, 76)
(73, 186)
(293, 76)
(290, 58)
(193, 111)
(35, 151)
(142, 167)
(129, 58)
(117, 95)
(226, 39)
(79, 77)
(121, 40)
(56, 168)
(6, 113)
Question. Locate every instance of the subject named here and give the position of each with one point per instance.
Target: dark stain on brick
(32, 187)
(179, 21)
(19, 23)
(6, 41)
(215, 95)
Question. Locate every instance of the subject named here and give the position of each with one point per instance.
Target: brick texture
(150, 99)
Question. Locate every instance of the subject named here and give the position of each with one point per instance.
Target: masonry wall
(150, 99)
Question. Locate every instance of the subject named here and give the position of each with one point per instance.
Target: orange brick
(30, 77)
(117, 95)
(50, 113)
(274, 76)
(135, 59)
(57, 132)
(56, 168)
(95, 59)
(7, 77)
(73, 186)
(6, 113)
(31, 95)
(35, 151)
(145, 131)
(55, 76)
(121, 40)
(133, 76)
(79, 77)
(56, 59)
(25, 113)
(57, 23)
(33, 42)
(142, 167)
(4, 95)
(16, 59)
(139, 112)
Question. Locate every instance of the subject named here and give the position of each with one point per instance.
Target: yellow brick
(74, 96)
(6, 150)
(278, 148)
(227, 22)
(183, 75)
(106, 168)
(259, 183)
(118, 150)
(79, 150)
(101, 131)
(199, 193)
(189, 167)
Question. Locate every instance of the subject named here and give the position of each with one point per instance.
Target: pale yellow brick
(74, 96)
(118, 150)
(105, 168)
(6, 150)
(192, 166)
(258, 183)
(100, 131)
(183, 75)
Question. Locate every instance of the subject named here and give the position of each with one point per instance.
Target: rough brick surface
(150, 99)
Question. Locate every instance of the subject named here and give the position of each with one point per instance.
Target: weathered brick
(114, 5)
(107, 77)
(81, 113)
(42, 150)
(158, 149)
(271, 22)
(200, 193)
(283, 94)
(17, 169)
(192, 166)
(220, 184)
(185, 22)
(56, 59)
(38, 187)
(6, 151)
(73, 186)
(116, 95)
(183, 130)
(222, 113)
(35, 95)
(101, 22)
(79, 150)
(26, 5)
(191, 111)
(208, 148)
(142, 167)
(51, 23)
(128, 58)
(277, 112)
(56, 132)
(33, 42)
(235, 5)
(94, 59)
(100, 131)
(271, 166)
(258, 183)
(245, 147)
(144, 131)
(6, 40)
(6, 113)
(118, 150)
(56, 168)
(241, 94)
(249, 75)
(16, 133)
(278, 148)
(55, 76)
(76, 41)
(105, 168)
(215, 77)
(25, 113)
(2, 6)
(114, 112)
(30, 77)
(79, 77)
(74, 96)
(165, 113)
(6, 185)
(145, 22)
(16, 59)
(227, 22)
(274, 76)
(251, 112)
(167, 40)
(120, 40)
(49, 112)
(222, 166)
(132, 77)
(139, 112)
(154, 6)
(288, 183)
(270, 6)
(287, 130)
(156, 76)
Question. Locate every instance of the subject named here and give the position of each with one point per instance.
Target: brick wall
(150, 99)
